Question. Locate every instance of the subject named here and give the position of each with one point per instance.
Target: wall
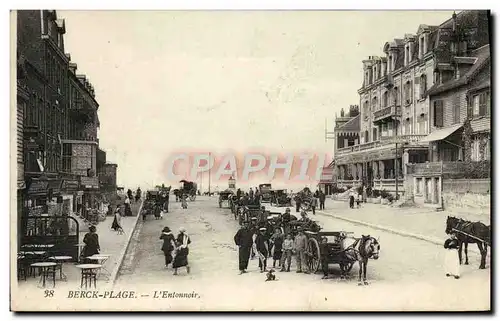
(476, 186)
(467, 202)
(83, 158)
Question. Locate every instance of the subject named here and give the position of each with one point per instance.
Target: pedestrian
(297, 203)
(184, 203)
(323, 250)
(287, 253)
(129, 194)
(301, 248)
(254, 229)
(182, 251)
(359, 199)
(168, 245)
(451, 259)
(351, 199)
(128, 210)
(138, 195)
(250, 194)
(117, 222)
(165, 204)
(365, 194)
(314, 203)
(262, 249)
(244, 240)
(277, 240)
(91, 241)
(285, 221)
(157, 212)
(322, 198)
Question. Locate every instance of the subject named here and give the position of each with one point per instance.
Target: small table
(60, 260)
(88, 270)
(101, 259)
(45, 267)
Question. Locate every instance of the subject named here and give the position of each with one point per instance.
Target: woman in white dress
(451, 260)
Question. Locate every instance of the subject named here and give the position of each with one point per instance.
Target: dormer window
(421, 47)
(407, 54)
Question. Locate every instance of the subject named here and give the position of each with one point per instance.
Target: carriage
(306, 198)
(225, 197)
(279, 197)
(189, 189)
(265, 193)
(246, 212)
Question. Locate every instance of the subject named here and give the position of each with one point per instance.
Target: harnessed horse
(364, 248)
(469, 232)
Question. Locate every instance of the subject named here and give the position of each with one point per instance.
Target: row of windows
(420, 85)
(478, 105)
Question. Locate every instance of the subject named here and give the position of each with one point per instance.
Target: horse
(364, 248)
(480, 232)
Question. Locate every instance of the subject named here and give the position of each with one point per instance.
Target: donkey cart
(335, 252)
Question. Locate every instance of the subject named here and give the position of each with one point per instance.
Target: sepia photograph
(286, 160)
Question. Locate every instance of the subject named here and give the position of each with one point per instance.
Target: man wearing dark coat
(244, 241)
(91, 240)
(261, 243)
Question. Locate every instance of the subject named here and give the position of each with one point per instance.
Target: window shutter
(438, 113)
(482, 104)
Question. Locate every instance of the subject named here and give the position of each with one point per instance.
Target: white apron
(451, 262)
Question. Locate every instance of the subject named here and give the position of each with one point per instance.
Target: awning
(441, 134)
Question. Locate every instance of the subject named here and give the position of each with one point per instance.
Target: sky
(215, 80)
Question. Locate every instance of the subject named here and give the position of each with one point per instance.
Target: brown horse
(367, 247)
(470, 232)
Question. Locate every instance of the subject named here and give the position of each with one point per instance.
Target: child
(277, 240)
(287, 253)
(184, 202)
(323, 248)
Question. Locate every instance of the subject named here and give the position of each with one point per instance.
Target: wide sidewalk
(112, 244)
(412, 220)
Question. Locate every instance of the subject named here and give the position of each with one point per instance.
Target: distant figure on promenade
(168, 245)
(91, 241)
(451, 259)
(184, 203)
(138, 194)
(244, 240)
(117, 222)
(250, 194)
(182, 251)
(351, 199)
(128, 209)
(129, 195)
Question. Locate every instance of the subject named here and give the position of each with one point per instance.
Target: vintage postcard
(251, 160)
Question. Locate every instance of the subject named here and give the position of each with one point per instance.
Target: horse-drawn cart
(189, 189)
(334, 249)
(279, 197)
(225, 198)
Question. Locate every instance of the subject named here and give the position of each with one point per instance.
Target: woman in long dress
(128, 210)
(168, 245)
(91, 240)
(451, 260)
(117, 221)
(182, 251)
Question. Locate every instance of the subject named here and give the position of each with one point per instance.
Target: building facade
(57, 121)
(395, 113)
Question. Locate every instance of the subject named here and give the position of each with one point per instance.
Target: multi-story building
(57, 115)
(395, 114)
(460, 107)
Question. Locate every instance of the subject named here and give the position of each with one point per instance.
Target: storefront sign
(89, 182)
(70, 185)
(55, 185)
(38, 187)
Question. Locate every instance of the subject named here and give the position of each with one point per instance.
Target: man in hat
(262, 248)
(304, 220)
(254, 229)
(244, 241)
(285, 220)
(301, 248)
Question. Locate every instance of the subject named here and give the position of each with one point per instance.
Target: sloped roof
(352, 125)
(483, 57)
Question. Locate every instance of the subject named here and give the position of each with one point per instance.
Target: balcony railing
(386, 112)
(384, 140)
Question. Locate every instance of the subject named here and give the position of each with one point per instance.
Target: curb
(386, 229)
(119, 264)
(425, 238)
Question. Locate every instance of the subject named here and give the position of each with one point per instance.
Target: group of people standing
(250, 197)
(318, 199)
(175, 249)
(252, 239)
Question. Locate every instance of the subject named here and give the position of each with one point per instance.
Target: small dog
(270, 275)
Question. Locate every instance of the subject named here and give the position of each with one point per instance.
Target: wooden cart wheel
(314, 259)
(346, 267)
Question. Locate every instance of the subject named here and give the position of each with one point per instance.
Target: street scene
(252, 163)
